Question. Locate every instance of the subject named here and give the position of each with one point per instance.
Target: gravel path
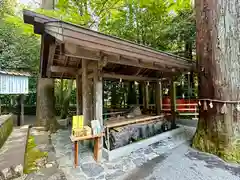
(184, 163)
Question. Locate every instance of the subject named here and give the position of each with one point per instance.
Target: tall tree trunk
(218, 49)
(65, 105)
(45, 94)
(46, 104)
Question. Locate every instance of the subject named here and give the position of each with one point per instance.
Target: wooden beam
(62, 69)
(52, 48)
(161, 95)
(65, 63)
(85, 93)
(98, 102)
(173, 102)
(108, 57)
(79, 94)
(80, 57)
(146, 96)
(128, 77)
(101, 42)
(117, 59)
(158, 97)
(125, 77)
(22, 109)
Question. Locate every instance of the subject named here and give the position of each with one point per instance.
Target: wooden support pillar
(79, 94)
(173, 103)
(158, 97)
(85, 93)
(22, 109)
(90, 99)
(98, 105)
(161, 95)
(146, 96)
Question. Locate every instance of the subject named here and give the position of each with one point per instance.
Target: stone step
(12, 153)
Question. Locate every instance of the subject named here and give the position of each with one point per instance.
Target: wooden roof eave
(119, 51)
(64, 33)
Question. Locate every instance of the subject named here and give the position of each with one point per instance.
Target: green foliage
(31, 156)
(7, 7)
(19, 50)
(164, 25)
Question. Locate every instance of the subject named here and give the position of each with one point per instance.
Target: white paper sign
(10, 84)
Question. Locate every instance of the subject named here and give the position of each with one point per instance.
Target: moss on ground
(32, 155)
(229, 152)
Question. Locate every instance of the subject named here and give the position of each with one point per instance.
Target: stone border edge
(126, 150)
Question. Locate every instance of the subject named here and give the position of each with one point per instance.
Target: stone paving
(185, 163)
(47, 167)
(12, 154)
(88, 169)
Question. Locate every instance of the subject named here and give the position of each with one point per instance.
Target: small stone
(48, 165)
(92, 169)
(19, 170)
(8, 173)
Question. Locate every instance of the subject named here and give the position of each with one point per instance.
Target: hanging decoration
(199, 103)
(120, 80)
(205, 108)
(211, 104)
(238, 107)
(148, 83)
(224, 109)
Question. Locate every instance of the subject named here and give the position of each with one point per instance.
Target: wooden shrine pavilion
(69, 51)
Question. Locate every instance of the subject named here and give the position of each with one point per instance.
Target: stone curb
(126, 150)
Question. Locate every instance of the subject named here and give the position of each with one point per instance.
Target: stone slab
(126, 150)
(13, 151)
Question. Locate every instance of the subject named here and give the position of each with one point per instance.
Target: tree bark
(218, 49)
(46, 104)
(45, 93)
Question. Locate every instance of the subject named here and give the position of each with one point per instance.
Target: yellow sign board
(77, 122)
